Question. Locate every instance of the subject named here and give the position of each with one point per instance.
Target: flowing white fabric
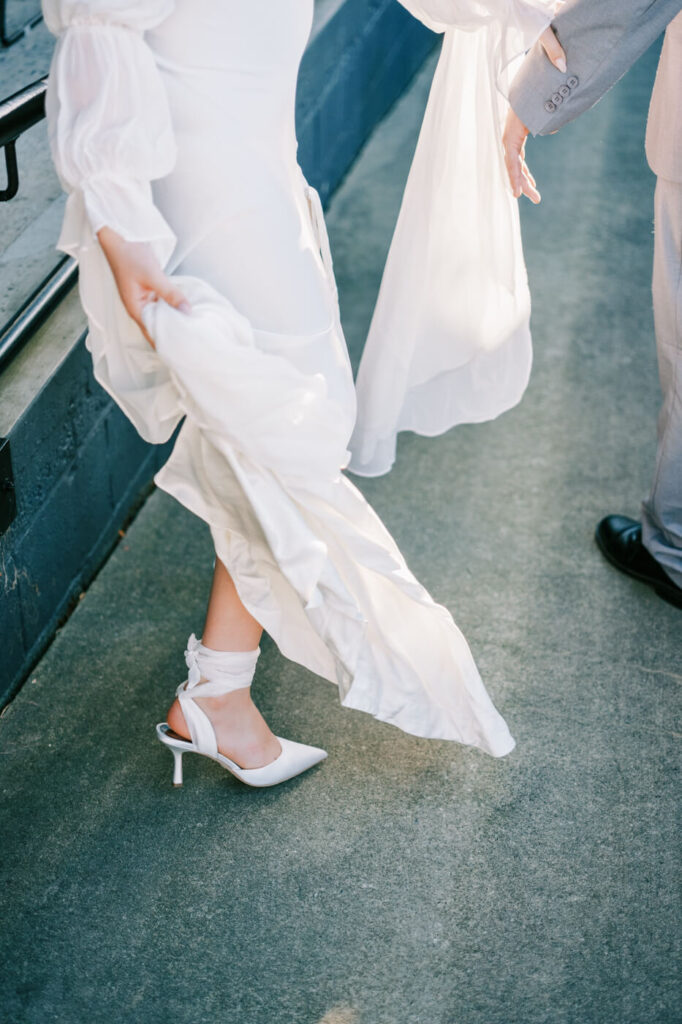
(258, 370)
(450, 341)
(316, 568)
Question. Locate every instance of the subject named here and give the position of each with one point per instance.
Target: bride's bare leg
(242, 733)
(228, 626)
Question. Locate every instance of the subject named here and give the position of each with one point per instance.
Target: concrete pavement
(404, 881)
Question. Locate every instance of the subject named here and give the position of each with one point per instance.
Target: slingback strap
(222, 672)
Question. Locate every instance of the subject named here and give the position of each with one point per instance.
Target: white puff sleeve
(111, 135)
(108, 120)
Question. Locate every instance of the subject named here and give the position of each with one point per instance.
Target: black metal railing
(36, 309)
(9, 35)
(18, 113)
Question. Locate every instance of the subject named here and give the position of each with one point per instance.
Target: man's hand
(515, 132)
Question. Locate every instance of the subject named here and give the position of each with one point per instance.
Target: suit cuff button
(557, 99)
(573, 82)
(549, 107)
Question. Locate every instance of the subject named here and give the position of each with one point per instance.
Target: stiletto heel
(177, 766)
(223, 672)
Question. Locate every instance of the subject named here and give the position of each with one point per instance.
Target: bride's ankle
(214, 706)
(236, 702)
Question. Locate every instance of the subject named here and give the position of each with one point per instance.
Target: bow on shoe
(198, 723)
(221, 671)
(192, 662)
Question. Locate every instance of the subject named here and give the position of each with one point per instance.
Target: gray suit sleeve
(602, 39)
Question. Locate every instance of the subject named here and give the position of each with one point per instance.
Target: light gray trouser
(662, 510)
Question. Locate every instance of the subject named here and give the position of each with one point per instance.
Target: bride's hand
(138, 276)
(515, 132)
(514, 142)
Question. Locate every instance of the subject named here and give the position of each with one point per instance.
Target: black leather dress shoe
(620, 541)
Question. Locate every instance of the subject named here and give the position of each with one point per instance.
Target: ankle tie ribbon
(222, 672)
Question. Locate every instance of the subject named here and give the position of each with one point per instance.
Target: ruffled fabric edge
(310, 559)
(324, 628)
(452, 397)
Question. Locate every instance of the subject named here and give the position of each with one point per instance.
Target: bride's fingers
(160, 287)
(163, 287)
(521, 180)
(136, 309)
(554, 49)
(513, 163)
(526, 171)
(173, 296)
(528, 186)
(513, 146)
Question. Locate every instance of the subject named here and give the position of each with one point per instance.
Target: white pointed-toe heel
(224, 672)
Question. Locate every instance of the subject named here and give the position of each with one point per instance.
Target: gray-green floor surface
(403, 881)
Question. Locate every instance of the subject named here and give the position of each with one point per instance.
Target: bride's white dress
(173, 123)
